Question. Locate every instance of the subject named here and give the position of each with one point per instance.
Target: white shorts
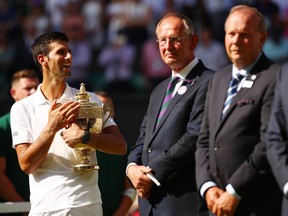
(93, 209)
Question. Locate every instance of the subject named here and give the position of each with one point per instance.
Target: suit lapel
(253, 76)
(241, 94)
(156, 104)
(189, 82)
(173, 102)
(220, 95)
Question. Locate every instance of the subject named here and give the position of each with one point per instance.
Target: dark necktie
(232, 91)
(168, 97)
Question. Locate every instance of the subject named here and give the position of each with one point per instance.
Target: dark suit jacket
(169, 149)
(277, 133)
(232, 150)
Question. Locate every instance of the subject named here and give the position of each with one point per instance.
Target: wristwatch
(86, 137)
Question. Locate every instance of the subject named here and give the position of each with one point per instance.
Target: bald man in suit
(232, 171)
(162, 163)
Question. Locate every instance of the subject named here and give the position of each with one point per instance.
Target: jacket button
(215, 148)
(149, 150)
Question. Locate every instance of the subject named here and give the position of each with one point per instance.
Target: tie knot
(174, 80)
(239, 76)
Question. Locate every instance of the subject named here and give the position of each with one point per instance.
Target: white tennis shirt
(54, 185)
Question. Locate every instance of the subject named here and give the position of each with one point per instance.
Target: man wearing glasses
(161, 164)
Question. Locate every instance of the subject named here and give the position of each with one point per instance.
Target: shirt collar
(186, 70)
(41, 99)
(67, 95)
(245, 71)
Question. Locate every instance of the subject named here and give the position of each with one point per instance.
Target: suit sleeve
(135, 155)
(136, 152)
(277, 145)
(202, 152)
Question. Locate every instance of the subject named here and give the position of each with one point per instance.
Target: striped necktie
(168, 97)
(232, 91)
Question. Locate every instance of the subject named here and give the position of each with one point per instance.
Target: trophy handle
(107, 108)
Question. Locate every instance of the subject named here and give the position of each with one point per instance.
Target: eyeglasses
(173, 40)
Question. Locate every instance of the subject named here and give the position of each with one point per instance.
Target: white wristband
(130, 192)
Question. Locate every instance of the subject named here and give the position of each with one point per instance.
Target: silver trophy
(90, 119)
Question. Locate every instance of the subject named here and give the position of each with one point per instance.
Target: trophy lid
(82, 96)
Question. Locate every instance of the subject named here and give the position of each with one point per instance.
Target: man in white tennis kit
(44, 134)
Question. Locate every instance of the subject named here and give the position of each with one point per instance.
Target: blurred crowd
(113, 41)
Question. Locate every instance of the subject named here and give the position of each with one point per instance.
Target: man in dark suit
(277, 133)
(161, 165)
(232, 170)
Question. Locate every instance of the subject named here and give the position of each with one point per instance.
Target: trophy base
(86, 167)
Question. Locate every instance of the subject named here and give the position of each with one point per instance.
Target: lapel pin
(182, 90)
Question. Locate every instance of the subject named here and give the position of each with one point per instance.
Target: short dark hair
(42, 44)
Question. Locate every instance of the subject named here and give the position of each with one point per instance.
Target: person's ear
(194, 41)
(42, 59)
(13, 93)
